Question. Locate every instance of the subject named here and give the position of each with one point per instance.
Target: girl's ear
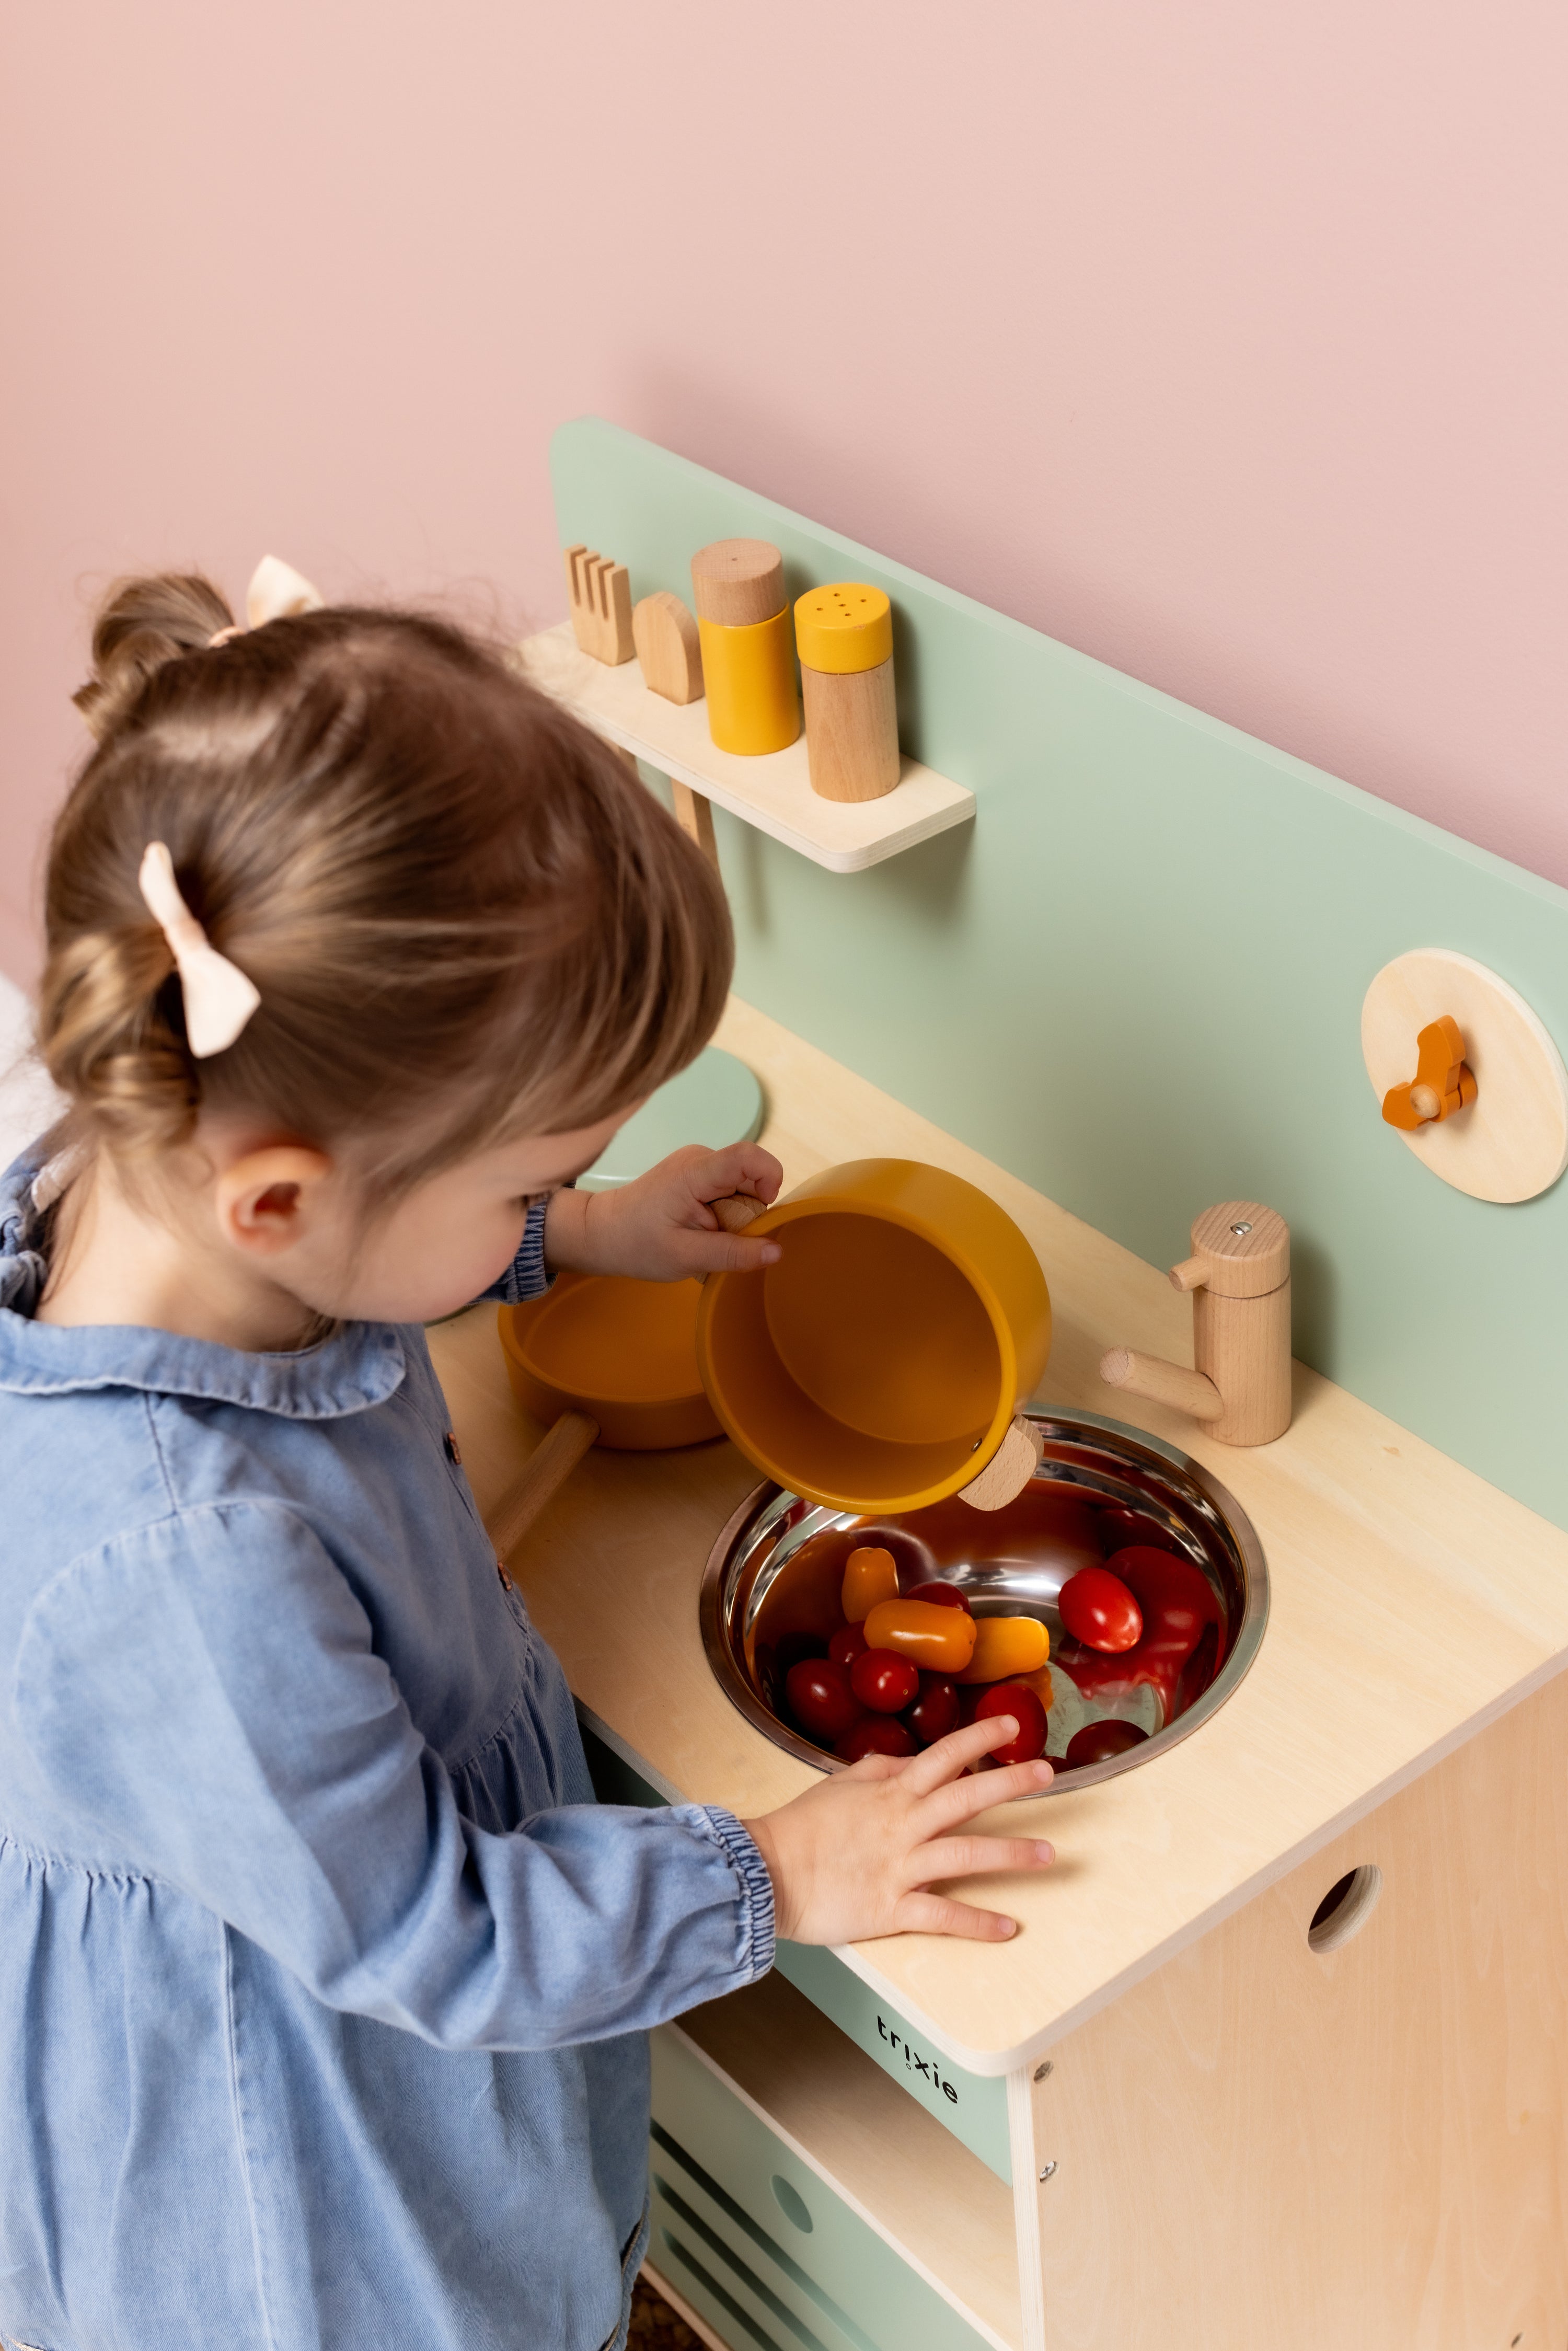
(262, 1201)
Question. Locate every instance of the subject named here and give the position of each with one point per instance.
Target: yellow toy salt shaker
(844, 636)
(748, 659)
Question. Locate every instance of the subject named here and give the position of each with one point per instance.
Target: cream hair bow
(276, 592)
(219, 999)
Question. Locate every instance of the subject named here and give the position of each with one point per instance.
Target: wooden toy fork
(601, 594)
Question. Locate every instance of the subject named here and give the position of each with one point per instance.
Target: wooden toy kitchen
(1279, 2053)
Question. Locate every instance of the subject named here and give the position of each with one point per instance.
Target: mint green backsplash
(1136, 979)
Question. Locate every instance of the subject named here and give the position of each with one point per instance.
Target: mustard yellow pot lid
(843, 627)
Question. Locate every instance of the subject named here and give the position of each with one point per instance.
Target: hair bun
(141, 624)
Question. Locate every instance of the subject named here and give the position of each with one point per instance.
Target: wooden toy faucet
(1239, 1277)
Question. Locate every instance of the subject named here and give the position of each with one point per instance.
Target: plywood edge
(992, 2063)
(836, 861)
(915, 2145)
(853, 835)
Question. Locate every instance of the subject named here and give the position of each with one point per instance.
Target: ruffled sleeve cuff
(527, 1275)
(757, 1925)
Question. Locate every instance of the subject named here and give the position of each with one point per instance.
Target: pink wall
(1223, 341)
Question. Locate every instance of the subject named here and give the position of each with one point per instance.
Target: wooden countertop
(1412, 1603)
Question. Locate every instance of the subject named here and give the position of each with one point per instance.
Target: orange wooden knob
(1443, 1081)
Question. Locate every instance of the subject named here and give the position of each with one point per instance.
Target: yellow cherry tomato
(870, 1575)
(941, 1640)
(1006, 1648)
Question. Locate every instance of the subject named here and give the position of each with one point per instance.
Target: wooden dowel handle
(737, 1210)
(545, 1471)
(1009, 1468)
(1190, 1274)
(1162, 1383)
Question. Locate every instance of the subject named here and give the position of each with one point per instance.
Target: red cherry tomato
(884, 1682)
(874, 1734)
(941, 1595)
(820, 1698)
(1177, 1600)
(1098, 1610)
(791, 1647)
(846, 1645)
(1012, 1698)
(936, 1711)
(1119, 1527)
(1098, 1742)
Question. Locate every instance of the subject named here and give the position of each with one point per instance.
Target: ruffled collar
(362, 1365)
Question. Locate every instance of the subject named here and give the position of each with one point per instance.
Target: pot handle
(1009, 1468)
(737, 1209)
(542, 1474)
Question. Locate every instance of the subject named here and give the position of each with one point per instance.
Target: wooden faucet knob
(1240, 1249)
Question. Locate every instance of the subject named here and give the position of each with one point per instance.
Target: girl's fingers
(949, 1806)
(742, 1255)
(957, 1750)
(741, 1167)
(935, 1914)
(968, 1856)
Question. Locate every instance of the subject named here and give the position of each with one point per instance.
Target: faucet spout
(1162, 1383)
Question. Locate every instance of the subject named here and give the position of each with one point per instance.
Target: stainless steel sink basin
(773, 1576)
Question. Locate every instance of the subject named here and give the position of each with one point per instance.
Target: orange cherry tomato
(886, 1682)
(846, 1645)
(874, 1734)
(940, 1640)
(1006, 1649)
(1014, 1699)
(870, 1575)
(1098, 1610)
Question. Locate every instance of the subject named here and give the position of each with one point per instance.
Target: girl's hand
(855, 1856)
(661, 1228)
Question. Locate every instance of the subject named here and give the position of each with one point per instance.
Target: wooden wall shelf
(773, 792)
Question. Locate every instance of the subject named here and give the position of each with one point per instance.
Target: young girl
(323, 1980)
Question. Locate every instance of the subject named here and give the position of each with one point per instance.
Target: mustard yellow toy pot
(747, 649)
(843, 633)
(878, 1365)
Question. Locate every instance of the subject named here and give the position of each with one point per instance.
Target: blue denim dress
(323, 1980)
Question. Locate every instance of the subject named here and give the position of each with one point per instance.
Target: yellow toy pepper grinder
(749, 658)
(845, 634)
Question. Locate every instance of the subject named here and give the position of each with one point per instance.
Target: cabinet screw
(1048, 2170)
(1241, 1231)
(1041, 2071)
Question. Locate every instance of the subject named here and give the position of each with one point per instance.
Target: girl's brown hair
(466, 918)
